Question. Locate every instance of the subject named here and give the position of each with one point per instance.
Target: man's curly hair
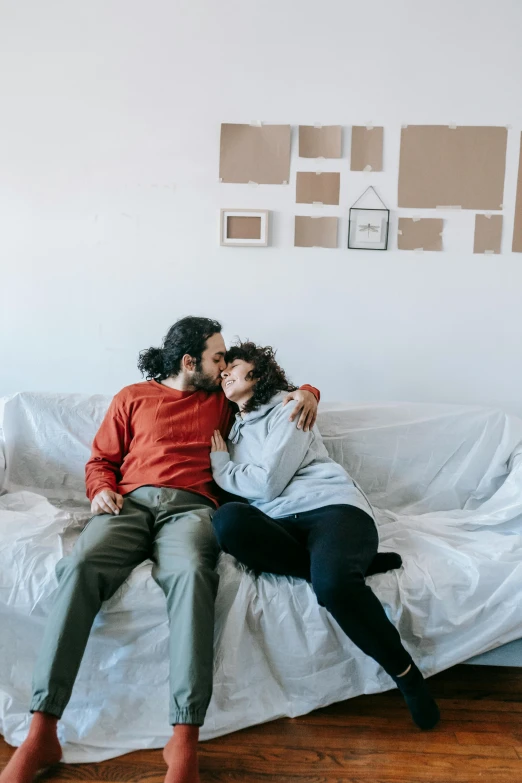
(270, 377)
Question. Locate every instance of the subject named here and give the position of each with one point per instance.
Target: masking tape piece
(317, 203)
(256, 123)
(489, 252)
(369, 126)
(254, 184)
(416, 218)
(317, 125)
(404, 126)
(448, 206)
(399, 231)
(367, 167)
(418, 250)
(452, 126)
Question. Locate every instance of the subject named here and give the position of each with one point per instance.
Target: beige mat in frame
(488, 234)
(315, 231)
(420, 234)
(462, 166)
(252, 153)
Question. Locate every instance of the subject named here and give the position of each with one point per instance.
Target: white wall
(110, 113)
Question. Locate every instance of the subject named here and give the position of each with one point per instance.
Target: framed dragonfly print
(368, 227)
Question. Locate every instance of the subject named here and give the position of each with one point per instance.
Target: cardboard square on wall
(424, 233)
(323, 142)
(517, 228)
(251, 153)
(322, 188)
(488, 233)
(366, 148)
(315, 232)
(452, 167)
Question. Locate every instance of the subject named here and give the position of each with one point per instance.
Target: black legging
(332, 547)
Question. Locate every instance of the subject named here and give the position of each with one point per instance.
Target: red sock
(181, 755)
(41, 749)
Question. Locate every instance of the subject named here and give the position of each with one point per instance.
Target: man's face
(207, 375)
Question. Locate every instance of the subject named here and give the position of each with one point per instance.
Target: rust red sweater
(153, 435)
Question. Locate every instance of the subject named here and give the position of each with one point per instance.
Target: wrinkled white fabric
(446, 483)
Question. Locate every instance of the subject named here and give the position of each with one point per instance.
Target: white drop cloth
(447, 485)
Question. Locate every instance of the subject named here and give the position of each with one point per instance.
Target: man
(152, 495)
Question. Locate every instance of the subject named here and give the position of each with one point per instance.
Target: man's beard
(203, 382)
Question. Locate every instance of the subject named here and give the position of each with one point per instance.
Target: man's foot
(421, 704)
(39, 751)
(181, 755)
(384, 561)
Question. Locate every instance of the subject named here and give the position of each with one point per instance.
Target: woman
(305, 517)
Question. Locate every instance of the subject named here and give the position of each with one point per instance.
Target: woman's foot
(39, 751)
(384, 561)
(421, 704)
(181, 755)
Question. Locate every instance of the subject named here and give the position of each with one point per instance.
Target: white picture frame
(230, 230)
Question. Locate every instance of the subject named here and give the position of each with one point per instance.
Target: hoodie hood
(240, 422)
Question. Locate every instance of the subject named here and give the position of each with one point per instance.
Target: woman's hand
(306, 406)
(217, 443)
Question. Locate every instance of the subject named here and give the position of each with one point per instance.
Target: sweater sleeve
(315, 392)
(109, 448)
(283, 452)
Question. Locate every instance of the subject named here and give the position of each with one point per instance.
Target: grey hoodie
(279, 469)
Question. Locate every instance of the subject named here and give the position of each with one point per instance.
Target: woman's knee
(227, 520)
(333, 588)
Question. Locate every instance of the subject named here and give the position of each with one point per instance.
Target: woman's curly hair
(270, 377)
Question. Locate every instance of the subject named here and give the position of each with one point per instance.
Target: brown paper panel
(441, 167)
(255, 154)
(424, 233)
(488, 233)
(322, 187)
(324, 142)
(315, 232)
(517, 229)
(243, 227)
(366, 148)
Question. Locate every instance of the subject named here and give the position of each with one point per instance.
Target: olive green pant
(174, 529)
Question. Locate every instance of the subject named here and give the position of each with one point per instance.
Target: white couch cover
(446, 482)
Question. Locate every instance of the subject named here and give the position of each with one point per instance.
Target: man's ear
(188, 363)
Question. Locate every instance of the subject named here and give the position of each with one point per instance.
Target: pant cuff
(47, 705)
(188, 716)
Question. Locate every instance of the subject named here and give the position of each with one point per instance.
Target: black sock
(421, 703)
(384, 561)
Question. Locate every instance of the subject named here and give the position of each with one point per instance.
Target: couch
(446, 485)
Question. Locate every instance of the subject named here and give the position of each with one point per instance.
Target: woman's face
(235, 383)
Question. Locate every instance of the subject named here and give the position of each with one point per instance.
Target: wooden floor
(368, 739)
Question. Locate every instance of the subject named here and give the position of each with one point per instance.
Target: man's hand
(306, 406)
(107, 502)
(217, 443)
